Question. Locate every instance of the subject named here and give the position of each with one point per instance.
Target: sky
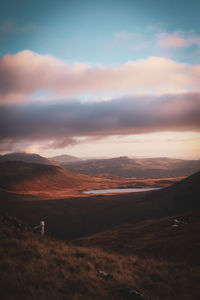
(100, 78)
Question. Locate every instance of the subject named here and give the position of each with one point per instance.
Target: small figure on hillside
(42, 228)
(39, 228)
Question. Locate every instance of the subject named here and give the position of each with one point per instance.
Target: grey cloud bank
(61, 123)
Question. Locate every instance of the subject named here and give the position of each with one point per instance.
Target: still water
(128, 190)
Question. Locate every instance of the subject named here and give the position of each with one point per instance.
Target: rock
(104, 275)
(136, 293)
(130, 293)
(177, 223)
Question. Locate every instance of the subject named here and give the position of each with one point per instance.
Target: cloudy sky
(100, 78)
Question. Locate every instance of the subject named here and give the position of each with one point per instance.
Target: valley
(69, 213)
(146, 243)
(99, 150)
(139, 168)
(31, 174)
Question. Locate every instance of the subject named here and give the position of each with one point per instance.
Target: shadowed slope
(32, 268)
(78, 217)
(183, 196)
(173, 238)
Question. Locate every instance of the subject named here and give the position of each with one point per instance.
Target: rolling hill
(183, 195)
(32, 267)
(64, 159)
(139, 168)
(174, 238)
(26, 157)
(72, 217)
(151, 259)
(53, 181)
(49, 180)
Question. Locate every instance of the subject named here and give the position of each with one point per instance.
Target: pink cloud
(172, 41)
(177, 39)
(27, 72)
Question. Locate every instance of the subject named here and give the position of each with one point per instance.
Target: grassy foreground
(32, 267)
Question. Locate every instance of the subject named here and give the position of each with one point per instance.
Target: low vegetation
(153, 259)
(32, 267)
(174, 238)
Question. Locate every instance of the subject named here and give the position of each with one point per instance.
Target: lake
(125, 190)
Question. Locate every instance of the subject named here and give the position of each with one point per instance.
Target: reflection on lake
(128, 190)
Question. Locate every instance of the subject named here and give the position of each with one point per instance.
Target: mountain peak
(65, 158)
(26, 157)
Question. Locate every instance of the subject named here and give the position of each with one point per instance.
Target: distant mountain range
(137, 167)
(26, 157)
(38, 159)
(113, 167)
(64, 159)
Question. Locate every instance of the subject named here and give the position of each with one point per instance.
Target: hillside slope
(20, 177)
(174, 238)
(26, 157)
(62, 159)
(32, 268)
(137, 167)
(54, 182)
(77, 217)
(183, 196)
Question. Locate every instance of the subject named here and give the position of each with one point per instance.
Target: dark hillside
(173, 238)
(183, 196)
(33, 268)
(78, 217)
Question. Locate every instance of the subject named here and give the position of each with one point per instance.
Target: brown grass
(32, 267)
(157, 238)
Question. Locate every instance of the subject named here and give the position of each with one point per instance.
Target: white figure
(42, 227)
(39, 227)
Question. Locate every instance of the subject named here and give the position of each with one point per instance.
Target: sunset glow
(99, 80)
